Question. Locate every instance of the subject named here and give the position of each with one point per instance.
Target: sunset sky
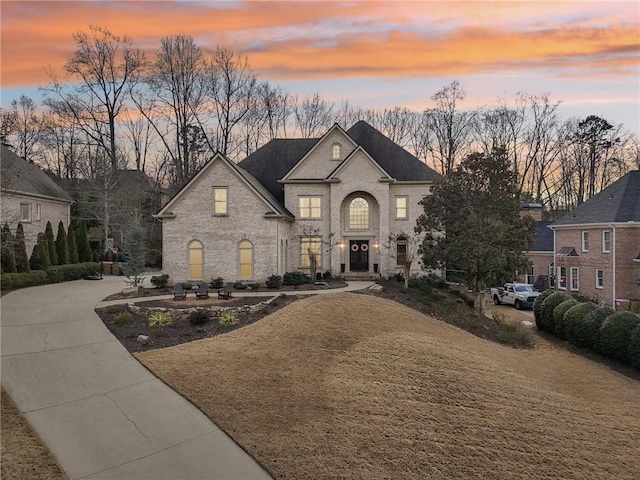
(375, 54)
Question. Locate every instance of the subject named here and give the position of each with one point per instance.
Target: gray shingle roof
(24, 177)
(394, 159)
(543, 240)
(619, 202)
(273, 161)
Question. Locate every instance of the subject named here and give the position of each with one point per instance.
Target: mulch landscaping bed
(182, 331)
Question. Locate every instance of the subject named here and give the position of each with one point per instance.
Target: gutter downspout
(613, 300)
(555, 283)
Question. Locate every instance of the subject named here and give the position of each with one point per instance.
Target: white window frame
(245, 246)
(38, 214)
(361, 224)
(220, 207)
(399, 208)
(606, 242)
(25, 218)
(336, 150)
(401, 244)
(599, 278)
(559, 276)
(315, 243)
(530, 276)
(195, 246)
(308, 211)
(574, 277)
(585, 240)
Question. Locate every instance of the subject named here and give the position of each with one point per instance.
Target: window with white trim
(220, 201)
(562, 278)
(335, 151)
(245, 256)
(530, 275)
(359, 214)
(606, 241)
(401, 250)
(38, 212)
(599, 278)
(402, 208)
(310, 247)
(196, 260)
(25, 212)
(585, 241)
(310, 207)
(575, 285)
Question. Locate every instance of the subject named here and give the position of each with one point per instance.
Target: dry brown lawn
(24, 455)
(353, 386)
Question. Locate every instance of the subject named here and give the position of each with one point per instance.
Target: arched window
(401, 250)
(196, 259)
(359, 214)
(335, 151)
(245, 255)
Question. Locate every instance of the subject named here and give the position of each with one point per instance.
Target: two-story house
(597, 245)
(29, 196)
(338, 199)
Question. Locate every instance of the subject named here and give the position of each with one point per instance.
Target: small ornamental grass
(228, 319)
(160, 319)
(199, 317)
(513, 334)
(123, 318)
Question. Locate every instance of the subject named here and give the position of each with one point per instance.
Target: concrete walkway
(99, 410)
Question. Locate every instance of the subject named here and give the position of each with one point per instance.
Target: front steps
(360, 276)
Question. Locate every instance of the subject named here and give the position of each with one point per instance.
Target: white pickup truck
(520, 295)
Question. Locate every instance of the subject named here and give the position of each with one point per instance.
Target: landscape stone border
(183, 313)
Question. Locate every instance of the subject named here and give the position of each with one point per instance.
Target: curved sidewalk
(101, 412)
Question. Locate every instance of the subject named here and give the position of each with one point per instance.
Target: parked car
(520, 295)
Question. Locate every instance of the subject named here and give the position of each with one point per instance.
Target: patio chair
(203, 291)
(225, 293)
(179, 292)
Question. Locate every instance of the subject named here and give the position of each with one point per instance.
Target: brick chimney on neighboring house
(533, 210)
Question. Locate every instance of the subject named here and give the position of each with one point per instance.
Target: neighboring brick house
(342, 196)
(597, 245)
(29, 196)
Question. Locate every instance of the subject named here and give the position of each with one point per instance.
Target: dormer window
(335, 151)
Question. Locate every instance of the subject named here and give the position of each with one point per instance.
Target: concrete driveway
(101, 412)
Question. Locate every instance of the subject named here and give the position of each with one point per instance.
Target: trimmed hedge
(558, 316)
(537, 306)
(295, 278)
(588, 332)
(574, 318)
(615, 335)
(55, 274)
(634, 347)
(547, 322)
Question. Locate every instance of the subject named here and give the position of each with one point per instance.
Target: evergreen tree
(62, 247)
(134, 250)
(20, 251)
(8, 258)
(73, 245)
(40, 255)
(51, 244)
(84, 247)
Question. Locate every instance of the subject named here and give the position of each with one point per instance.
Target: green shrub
(160, 319)
(537, 307)
(573, 319)
(239, 286)
(587, 332)
(327, 275)
(160, 281)
(216, 283)
(153, 258)
(399, 277)
(558, 316)
(187, 285)
(436, 281)
(254, 286)
(549, 304)
(415, 283)
(113, 309)
(228, 319)
(615, 334)
(274, 281)
(199, 317)
(295, 278)
(123, 318)
(21, 280)
(634, 348)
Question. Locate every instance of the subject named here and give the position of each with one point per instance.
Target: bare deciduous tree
(313, 115)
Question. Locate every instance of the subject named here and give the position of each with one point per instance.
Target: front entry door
(359, 259)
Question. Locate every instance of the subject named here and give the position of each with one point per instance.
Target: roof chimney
(533, 210)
